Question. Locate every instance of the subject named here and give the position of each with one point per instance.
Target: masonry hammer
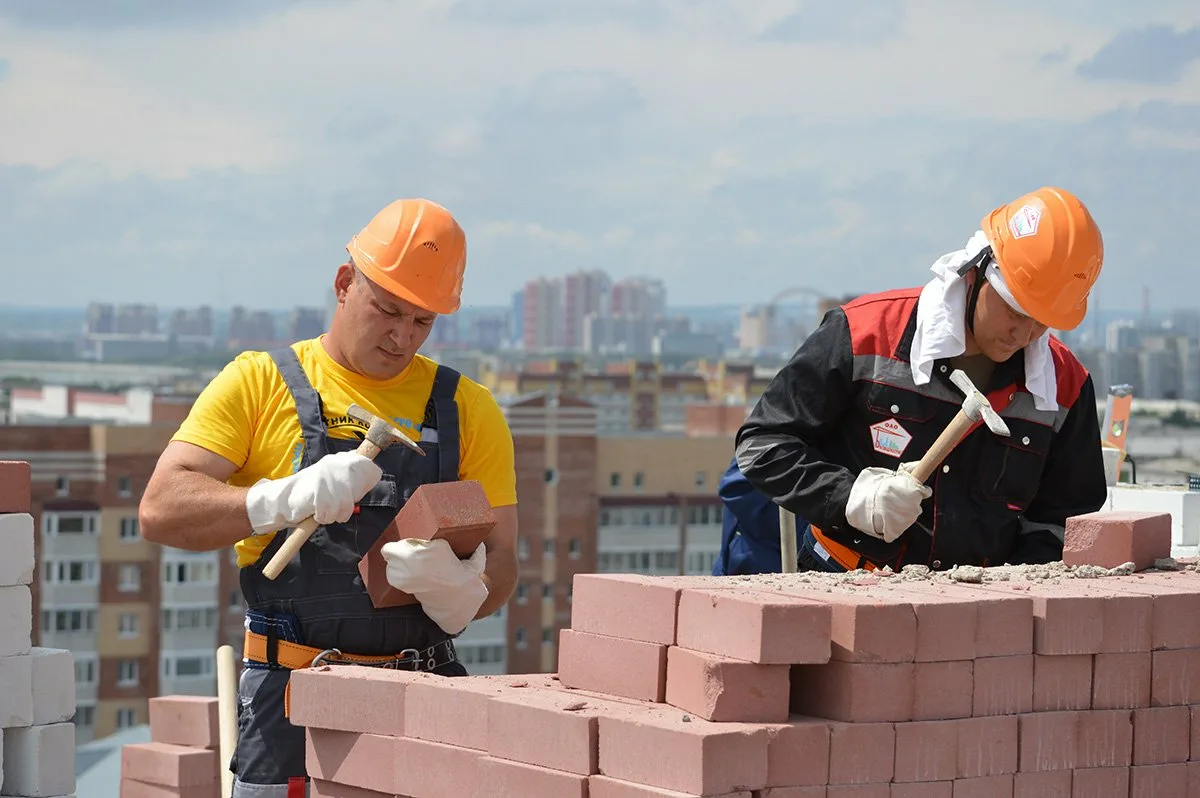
(975, 408)
(381, 434)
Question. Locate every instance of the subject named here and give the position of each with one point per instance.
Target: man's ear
(343, 280)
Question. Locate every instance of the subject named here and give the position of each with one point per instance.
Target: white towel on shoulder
(942, 324)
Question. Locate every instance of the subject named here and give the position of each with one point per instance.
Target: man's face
(378, 333)
(1000, 331)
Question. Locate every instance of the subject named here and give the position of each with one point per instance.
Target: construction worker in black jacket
(837, 430)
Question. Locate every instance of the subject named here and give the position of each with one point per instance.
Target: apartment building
(141, 620)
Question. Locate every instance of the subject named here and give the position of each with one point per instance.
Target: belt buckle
(323, 656)
(407, 656)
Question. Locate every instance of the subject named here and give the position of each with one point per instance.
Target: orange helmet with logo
(1049, 250)
(414, 249)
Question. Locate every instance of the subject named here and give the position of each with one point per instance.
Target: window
(523, 548)
(126, 718)
(186, 619)
(74, 572)
(547, 591)
(85, 671)
(189, 666)
(85, 714)
(522, 592)
(481, 654)
(614, 479)
(69, 523)
(129, 578)
(127, 673)
(639, 480)
(128, 625)
(700, 479)
(68, 620)
(129, 529)
(548, 547)
(190, 572)
(574, 548)
(547, 637)
(62, 487)
(519, 637)
(125, 487)
(551, 476)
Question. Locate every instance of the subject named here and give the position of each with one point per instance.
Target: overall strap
(308, 402)
(441, 414)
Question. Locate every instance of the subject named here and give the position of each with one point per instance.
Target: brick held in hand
(1109, 539)
(458, 512)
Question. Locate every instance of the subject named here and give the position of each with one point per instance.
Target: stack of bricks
(37, 685)
(181, 760)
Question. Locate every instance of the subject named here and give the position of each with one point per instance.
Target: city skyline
(731, 151)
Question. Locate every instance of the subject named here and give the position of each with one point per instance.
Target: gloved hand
(327, 490)
(450, 590)
(884, 503)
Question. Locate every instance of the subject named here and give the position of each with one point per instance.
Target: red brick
(546, 728)
(1170, 601)
(1175, 677)
(865, 627)
(1062, 682)
(607, 787)
(1105, 739)
(943, 690)
(430, 769)
(1109, 539)
(858, 791)
(457, 512)
(722, 689)
(1049, 741)
(789, 792)
(1100, 783)
(1121, 681)
(1064, 621)
(1161, 735)
(946, 623)
(1003, 685)
(353, 759)
(1042, 784)
(184, 720)
(928, 789)
(754, 626)
(984, 787)
(14, 487)
(132, 788)
(855, 692)
(588, 661)
(798, 753)
(451, 711)
(662, 749)
(926, 751)
(327, 789)
(1195, 735)
(505, 779)
(1158, 781)
(632, 606)
(988, 746)
(169, 765)
(1193, 774)
(1004, 626)
(369, 700)
(861, 753)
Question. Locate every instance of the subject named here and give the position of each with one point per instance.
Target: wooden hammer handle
(954, 432)
(304, 530)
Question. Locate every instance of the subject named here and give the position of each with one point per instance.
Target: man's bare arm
(187, 504)
(500, 575)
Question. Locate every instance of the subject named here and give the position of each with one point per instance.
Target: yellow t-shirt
(246, 415)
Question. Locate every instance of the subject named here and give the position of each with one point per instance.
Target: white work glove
(327, 490)
(450, 590)
(884, 503)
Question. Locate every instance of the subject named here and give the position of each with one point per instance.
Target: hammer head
(977, 406)
(382, 432)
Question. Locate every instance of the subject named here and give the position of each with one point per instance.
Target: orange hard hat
(414, 249)
(1049, 251)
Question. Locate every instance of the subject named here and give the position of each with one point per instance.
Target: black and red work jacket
(847, 400)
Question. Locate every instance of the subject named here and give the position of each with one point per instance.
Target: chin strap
(979, 263)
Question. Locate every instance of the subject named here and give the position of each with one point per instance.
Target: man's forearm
(192, 511)
(500, 576)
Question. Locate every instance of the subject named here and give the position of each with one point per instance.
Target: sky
(224, 152)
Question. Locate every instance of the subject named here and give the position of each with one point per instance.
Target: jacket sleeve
(779, 445)
(1073, 483)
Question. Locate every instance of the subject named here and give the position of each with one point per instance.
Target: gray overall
(319, 599)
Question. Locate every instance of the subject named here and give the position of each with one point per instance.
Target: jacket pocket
(887, 402)
(1011, 468)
